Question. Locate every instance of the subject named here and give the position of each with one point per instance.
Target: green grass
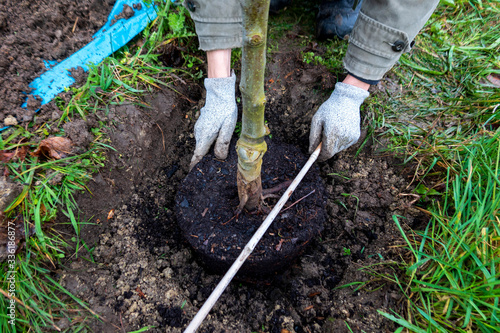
(454, 274)
(48, 189)
(441, 116)
(42, 301)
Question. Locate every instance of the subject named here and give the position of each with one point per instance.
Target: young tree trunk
(251, 145)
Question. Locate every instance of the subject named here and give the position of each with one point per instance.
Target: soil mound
(208, 197)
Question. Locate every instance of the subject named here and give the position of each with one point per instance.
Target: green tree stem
(251, 145)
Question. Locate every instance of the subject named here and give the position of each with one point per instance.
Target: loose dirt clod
(10, 121)
(8, 191)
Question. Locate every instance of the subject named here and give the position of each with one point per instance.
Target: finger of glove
(315, 134)
(335, 141)
(329, 147)
(194, 160)
(224, 139)
(204, 140)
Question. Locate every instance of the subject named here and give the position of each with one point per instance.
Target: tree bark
(251, 146)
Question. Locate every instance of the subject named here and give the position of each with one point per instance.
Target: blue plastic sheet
(107, 40)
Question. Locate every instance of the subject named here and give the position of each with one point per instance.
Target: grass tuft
(438, 109)
(454, 277)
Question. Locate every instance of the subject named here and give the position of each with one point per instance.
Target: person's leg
(336, 18)
(218, 24)
(385, 29)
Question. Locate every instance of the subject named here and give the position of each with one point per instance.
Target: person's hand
(337, 121)
(217, 119)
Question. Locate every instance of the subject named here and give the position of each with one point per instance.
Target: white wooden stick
(210, 302)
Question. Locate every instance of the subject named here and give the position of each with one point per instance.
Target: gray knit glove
(338, 119)
(217, 118)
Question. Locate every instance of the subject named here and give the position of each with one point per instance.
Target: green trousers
(384, 30)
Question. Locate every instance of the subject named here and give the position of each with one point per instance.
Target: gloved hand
(218, 118)
(338, 119)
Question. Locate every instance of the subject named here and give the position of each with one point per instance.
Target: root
(264, 197)
(260, 208)
(239, 209)
(277, 188)
(249, 193)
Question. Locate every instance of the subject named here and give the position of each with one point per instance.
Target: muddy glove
(337, 121)
(218, 118)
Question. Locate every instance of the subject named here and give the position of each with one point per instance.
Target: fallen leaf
(309, 308)
(54, 147)
(21, 152)
(5, 156)
(283, 330)
(494, 79)
(111, 214)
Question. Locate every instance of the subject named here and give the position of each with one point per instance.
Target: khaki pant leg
(384, 30)
(218, 23)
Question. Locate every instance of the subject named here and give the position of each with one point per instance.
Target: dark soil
(32, 32)
(208, 197)
(145, 273)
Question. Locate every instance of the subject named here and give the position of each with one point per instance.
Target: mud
(35, 32)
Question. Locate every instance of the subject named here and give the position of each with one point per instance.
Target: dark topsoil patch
(34, 31)
(146, 274)
(207, 199)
